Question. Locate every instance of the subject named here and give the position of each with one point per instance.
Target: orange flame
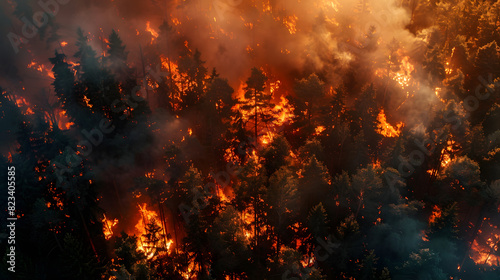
(63, 121)
(403, 77)
(319, 129)
(485, 249)
(148, 217)
(41, 68)
(107, 226)
(152, 31)
(436, 213)
(446, 153)
(386, 129)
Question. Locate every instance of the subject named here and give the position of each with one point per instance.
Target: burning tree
(256, 104)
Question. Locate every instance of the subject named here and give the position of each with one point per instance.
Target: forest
(262, 139)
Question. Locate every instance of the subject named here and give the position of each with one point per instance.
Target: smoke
(289, 38)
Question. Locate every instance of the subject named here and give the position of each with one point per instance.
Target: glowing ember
(290, 23)
(319, 129)
(437, 91)
(386, 129)
(87, 101)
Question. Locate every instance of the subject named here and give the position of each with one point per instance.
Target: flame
(147, 217)
(386, 129)
(64, 44)
(248, 228)
(403, 76)
(63, 121)
(319, 129)
(86, 99)
(24, 105)
(283, 112)
(152, 31)
(447, 152)
(107, 226)
(485, 248)
(436, 213)
(41, 68)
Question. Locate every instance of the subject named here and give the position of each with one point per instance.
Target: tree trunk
(256, 115)
(88, 233)
(477, 227)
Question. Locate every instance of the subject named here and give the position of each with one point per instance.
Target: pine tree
(117, 57)
(127, 252)
(281, 198)
(365, 116)
(228, 245)
(314, 185)
(276, 155)
(64, 84)
(310, 94)
(193, 76)
(317, 222)
(257, 103)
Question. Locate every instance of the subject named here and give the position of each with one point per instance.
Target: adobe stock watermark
(427, 147)
(49, 8)
(95, 136)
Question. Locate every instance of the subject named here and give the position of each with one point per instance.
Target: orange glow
(87, 101)
(152, 31)
(290, 22)
(484, 250)
(248, 228)
(41, 68)
(437, 91)
(447, 152)
(283, 112)
(63, 44)
(386, 129)
(24, 105)
(147, 217)
(63, 120)
(403, 76)
(107, 227)
(319, 129)
(436, 213)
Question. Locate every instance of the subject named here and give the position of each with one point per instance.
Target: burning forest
(260, 139)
